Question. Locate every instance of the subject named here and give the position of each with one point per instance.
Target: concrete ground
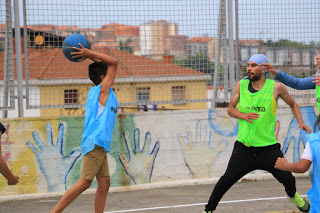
(266, 196)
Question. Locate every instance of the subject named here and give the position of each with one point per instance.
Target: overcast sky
(295, 20)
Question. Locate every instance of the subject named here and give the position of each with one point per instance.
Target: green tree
(125, 46)
(288, 43)
(1, 47)
(198, 62)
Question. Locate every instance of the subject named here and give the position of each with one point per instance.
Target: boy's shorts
(95, 164)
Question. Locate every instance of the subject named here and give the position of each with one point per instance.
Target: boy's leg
(71, 194)
(90, 166)
(101, 194)
(240, 163)
(103, 179)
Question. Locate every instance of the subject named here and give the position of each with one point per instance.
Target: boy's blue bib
(98, 131)
(314, 192)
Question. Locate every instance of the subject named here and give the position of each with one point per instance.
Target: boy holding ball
(100, 115)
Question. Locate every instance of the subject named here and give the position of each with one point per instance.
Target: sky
(295, 20)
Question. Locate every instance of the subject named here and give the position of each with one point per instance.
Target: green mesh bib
(318, 97)
(261, 133)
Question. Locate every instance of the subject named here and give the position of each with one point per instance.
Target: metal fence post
(18, 56)
(217, 57)
(26, 57)
(231, 46)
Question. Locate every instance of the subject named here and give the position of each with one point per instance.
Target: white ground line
(199, 204)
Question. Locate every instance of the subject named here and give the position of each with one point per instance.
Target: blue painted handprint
(199, 151)
(53, 164)
(296, 134)
(140, 164)
(222, 123)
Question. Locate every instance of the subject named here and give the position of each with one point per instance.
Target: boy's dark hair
(96, 70)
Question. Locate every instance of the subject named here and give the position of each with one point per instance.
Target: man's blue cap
(259, 59)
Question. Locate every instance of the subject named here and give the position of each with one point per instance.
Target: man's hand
(13, 180)
(316, 80)
(250, 116)
(269, 68)
(281, 163)
(304, 127)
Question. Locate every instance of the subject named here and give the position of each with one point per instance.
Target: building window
(179, 94)
(71, 96)
(143, 94)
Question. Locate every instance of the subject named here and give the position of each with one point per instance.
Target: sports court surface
(266, 196)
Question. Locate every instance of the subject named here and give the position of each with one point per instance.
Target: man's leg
(266, 160)
(241, 163)
(288, 180)
(101, 194)
(71, 194)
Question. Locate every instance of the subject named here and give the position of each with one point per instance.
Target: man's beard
(254, 78)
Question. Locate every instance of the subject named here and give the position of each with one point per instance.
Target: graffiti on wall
(20, 161)
(46, 153)
(198, 154)
(53, 163)
(140, 162)
(200, 150)
(297, 136)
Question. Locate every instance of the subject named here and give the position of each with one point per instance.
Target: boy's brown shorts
(95, 164)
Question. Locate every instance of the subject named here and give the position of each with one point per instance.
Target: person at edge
(100, 114)
(297, 83)
(309, 156)
(256, 144)
(4, 169)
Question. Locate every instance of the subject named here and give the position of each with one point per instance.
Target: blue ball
(73, 40)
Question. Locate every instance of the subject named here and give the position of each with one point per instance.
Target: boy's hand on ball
(82, 53)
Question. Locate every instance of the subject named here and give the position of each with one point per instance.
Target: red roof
(50, 27)
(2, 26)
(51, 64)
(199, 40)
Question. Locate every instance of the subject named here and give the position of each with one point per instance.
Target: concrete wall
(153, 147)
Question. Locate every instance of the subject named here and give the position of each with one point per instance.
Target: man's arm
(4, 170)
(283, 93)
(298, 167)
(233, 112)
(289, 80)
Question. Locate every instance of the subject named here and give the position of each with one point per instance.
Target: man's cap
(259, 59)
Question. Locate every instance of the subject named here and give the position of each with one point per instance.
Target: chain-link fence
(287, 32)
(6, 59)
(174, 54)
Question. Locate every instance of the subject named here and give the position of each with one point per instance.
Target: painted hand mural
(57, 167)
(139, 165)
(296, 135)
(21, 165)
(197, 151)
(227, 126)
(222, 123)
